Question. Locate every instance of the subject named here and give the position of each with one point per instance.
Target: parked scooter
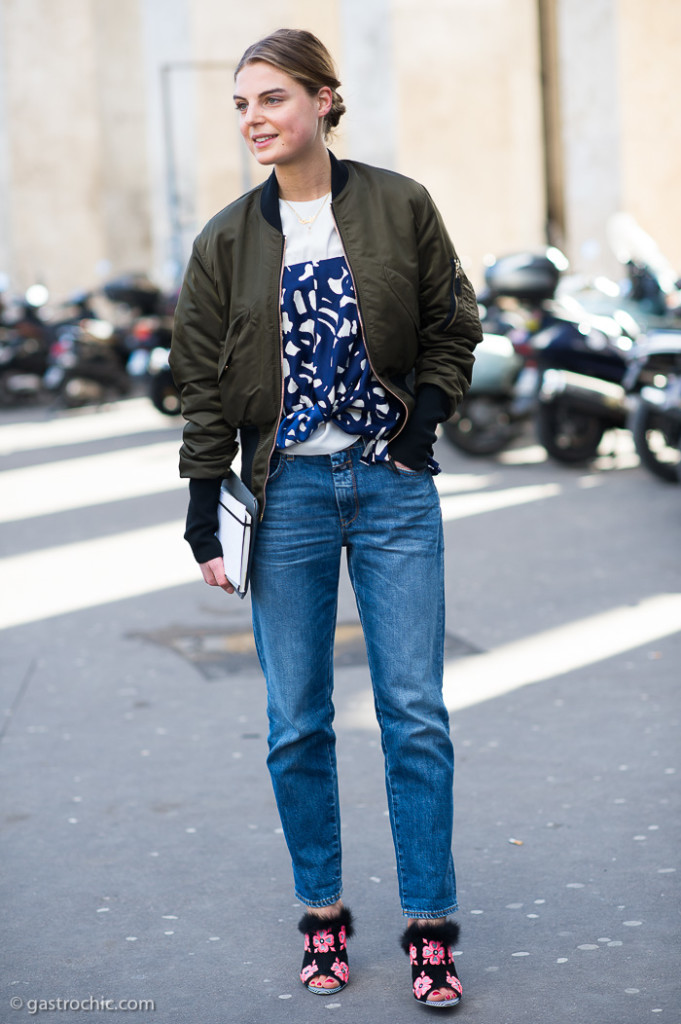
(651, 291)
(25, 340)
(654, 374)
(150, 339)
(93, 359)
(555, 363)
(502, 397)
(87, 364)
(162, 390)
(582, 360)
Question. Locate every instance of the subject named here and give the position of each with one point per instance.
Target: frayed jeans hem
(329, 902)
(430, 915)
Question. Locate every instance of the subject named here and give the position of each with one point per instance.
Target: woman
(326, 323)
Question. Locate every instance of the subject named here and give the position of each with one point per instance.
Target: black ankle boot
(429, 948)
(325, 950)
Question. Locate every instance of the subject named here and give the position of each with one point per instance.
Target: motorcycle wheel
(658, 442)
(567, 434)
(164, 395)
(480, 426)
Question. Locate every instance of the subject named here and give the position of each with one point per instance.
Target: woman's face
(279, 119)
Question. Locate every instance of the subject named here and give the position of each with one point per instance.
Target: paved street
(142, 855)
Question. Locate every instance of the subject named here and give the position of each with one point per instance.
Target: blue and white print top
(331, 396)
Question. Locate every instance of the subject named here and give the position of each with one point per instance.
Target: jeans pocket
(276, 467)
(405, 471)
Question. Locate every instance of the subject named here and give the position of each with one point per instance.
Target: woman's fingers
(213, 573)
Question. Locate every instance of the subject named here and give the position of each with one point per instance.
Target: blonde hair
(304, 58)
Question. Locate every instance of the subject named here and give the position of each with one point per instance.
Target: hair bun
(336, 112)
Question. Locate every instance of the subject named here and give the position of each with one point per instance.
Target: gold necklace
(308, 221)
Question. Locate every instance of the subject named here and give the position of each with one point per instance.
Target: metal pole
(172, 185)
(171, 173)
(549, 57)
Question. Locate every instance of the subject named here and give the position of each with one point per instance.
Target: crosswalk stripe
(545, 655)
(561, 650)
(89, 480)
(458, 506)
(72, 577)
(134, 416)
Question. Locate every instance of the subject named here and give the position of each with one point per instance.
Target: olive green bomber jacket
(417, 309)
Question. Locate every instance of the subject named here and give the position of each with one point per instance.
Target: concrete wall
(649, 58)
(123, 194)
(621, 131)
(74, 142)
(591, 129)
(56, 221)
(169, 103)
(470, 118)
(5, 226)
(118, 138)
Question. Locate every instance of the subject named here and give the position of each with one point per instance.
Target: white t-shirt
(304, 243)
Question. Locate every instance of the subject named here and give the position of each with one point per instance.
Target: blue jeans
(389, 520)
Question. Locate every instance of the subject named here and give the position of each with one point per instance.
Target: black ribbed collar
(269, 197)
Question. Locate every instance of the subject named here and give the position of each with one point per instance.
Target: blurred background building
(528, 120)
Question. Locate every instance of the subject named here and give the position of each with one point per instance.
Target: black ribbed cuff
(414, 444)
(202, 519)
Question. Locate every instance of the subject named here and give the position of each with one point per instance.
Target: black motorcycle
(91, 358)
(25, 339)
(502, 396)
(563, 366)
(583, 361)
(654, 375)
(87, 364)
(149, 338)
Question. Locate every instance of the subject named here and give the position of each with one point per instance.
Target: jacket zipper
(456, 291)
(364, 334)
(281, 358)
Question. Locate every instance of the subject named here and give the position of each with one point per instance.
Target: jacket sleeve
(450, 324)
(209, 444)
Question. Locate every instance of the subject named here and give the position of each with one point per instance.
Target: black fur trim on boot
(325, 949)
(429, 948)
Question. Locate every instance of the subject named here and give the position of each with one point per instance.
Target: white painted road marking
(72, 577)
(69, 578)
(89, 480)
(557, 651)
(546, 655)
(135, 416)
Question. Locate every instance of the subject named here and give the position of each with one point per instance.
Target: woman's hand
(213, 573)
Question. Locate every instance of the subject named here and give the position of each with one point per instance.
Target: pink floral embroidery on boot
(422, 984)
(308, 972)
(454, 983)
(341, 970)
(324, 941)
(433, 952)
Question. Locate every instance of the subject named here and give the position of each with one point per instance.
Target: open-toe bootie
(325, 951)
(429, 948)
